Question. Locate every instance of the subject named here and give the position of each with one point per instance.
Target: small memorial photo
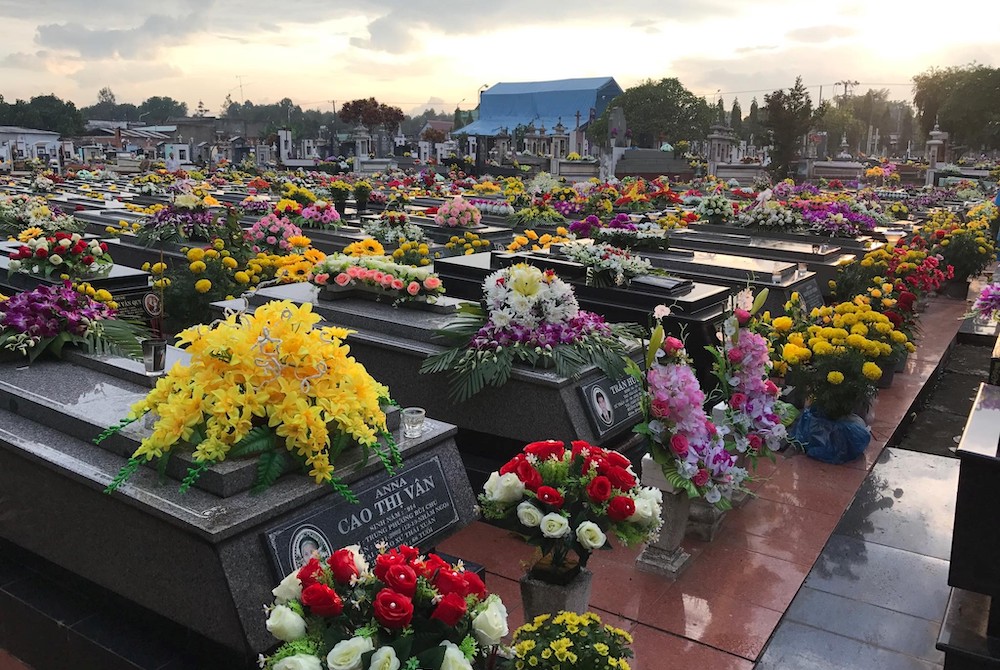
(603, 406)
(151, 303)
(308, 541)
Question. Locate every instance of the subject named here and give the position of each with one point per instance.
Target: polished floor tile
(496, 549)
(878, 575)
(656, 650)
(770, 519)
(8, 662)
(806, 648)
(866, 623)
(718, 620)
(745, 575)
(908, 502)
(817, 486)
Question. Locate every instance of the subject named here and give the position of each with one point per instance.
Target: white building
(18, 143)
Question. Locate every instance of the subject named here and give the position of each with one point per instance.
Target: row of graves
(248, 351)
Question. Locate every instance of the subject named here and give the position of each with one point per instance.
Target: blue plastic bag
(838, 441)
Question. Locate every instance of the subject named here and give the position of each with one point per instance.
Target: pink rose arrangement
(457, 213)
(682, 438)
(271, 234)
(406, 610)
(750, 415)
(320, 214)
(378, 274)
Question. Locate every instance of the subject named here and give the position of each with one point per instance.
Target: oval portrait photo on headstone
(603, 406)
(309, 541)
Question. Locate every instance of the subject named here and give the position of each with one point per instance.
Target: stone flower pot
(541, 597)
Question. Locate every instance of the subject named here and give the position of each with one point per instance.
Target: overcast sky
(413, 52)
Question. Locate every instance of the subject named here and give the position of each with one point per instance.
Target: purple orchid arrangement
(47, 317)
(987, 305)
(179, 223)
(586, 227)
(837, 219)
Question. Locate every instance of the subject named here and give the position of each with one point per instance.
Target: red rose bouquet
(406, 610)
(570, 499)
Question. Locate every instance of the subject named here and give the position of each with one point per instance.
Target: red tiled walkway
(723, 609)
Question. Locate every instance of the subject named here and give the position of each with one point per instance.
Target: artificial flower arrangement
(965, 247)
(621, 231)
(340, 190)
(750, 417)
(539, 212)
(65, 254)
(299, 194)
(716, 208)
(570, 640)
(188, 217)
(271, 384)
(830, 353)
(390, 231)
(379, 275)
(18, 212)
(528, 316)
(898, 211)
(405, 611)
(565, 500)
(492, 207)
(271, 233)
(320, 214)
(531, 240)
(769, 215)
(42, 184)
(987, 304)
(682, 439)
(841, 217)
(47, 318)
(256, 204)
(394, 218)
(361, 189)
(412, 252)
(457, 213)
(366, 247)
(464, 245)
(607, 265)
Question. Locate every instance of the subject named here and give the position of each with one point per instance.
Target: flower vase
(901, 362)
(340, 206)
(665, 556)
(888, 373)
(540, 596)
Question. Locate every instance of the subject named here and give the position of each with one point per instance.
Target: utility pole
(239, 78)
(846, 83)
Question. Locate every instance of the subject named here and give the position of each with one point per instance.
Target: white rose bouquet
(405, 611)
(566, 500)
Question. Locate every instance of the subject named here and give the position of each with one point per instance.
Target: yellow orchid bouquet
(271, 384)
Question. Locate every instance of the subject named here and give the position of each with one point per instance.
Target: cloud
(763, 47)
(25, 61)
(142, 41)
(389, 35)
(819, 34)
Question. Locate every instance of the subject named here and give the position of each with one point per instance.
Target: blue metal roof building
(542, 103)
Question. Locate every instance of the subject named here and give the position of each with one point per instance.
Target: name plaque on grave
(810, 295)
(612, 404)
(141, 306)
(413, 506)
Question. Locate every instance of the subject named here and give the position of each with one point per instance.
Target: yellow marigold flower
(102, 295)
(230, 262)
(219, 244)
(211, 253)
(835, 377)
(203, 286)
(782, 324)
(195, 254)
(871, 371)
(145, 266)
(197, 267)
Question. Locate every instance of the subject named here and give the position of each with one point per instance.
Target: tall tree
(966, 100)
(158, 109)
(720, 112)
(657, 111)
(788, 118)
(43, 112)
(736, 118)
(201, 110)
(753, 129)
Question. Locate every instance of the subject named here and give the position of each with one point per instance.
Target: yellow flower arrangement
(486, 188)
(466, 245)
(530, 239)
(366, 247)
(269, 383)
(29, 234)
(412, 252)
(568, 639)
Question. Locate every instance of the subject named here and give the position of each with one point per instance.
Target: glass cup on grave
(413, 421)
(154, 355)
(815, 248)
(776, 277)
(802, 269)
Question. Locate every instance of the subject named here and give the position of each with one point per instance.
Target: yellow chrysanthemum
(197, 267)
(835, 377)
(195, 254)
(203, 286)
(871, 371)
